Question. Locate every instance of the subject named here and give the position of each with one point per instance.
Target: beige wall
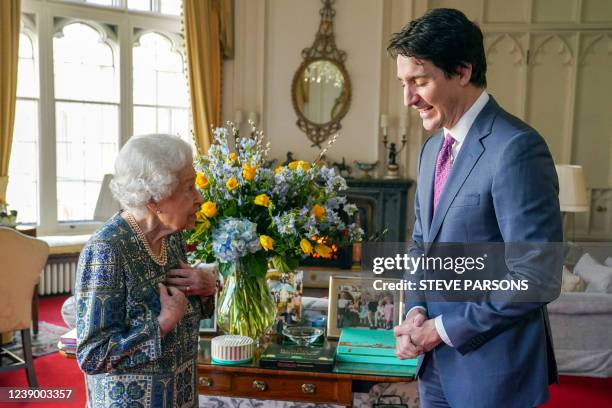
(549, 63)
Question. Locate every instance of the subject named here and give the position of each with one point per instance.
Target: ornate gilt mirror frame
(322, 50)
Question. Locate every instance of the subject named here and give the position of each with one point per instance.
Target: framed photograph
(286, 288)
(357, 302)
(209, 323)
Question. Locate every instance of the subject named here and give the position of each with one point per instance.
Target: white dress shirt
(459, 133)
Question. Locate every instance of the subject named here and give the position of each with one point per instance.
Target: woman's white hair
(147, 169)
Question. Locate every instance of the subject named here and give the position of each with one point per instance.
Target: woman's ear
(152, 206)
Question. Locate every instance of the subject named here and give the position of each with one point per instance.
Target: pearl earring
(158, 212)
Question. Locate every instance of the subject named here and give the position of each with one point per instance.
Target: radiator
(58, 276)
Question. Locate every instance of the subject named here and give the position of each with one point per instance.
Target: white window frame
(127, 22)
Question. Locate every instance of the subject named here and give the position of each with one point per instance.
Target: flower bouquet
(253, 216)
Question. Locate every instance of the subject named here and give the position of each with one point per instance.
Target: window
(23, 167)
(74, 50)
(172, 7)
(87, 118)
(160, 88)
(169, 7)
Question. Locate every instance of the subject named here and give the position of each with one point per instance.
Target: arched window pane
(161, 99)
(87, 118)
(23, 166)
(27, 83)
(159, 77)
(84, 65)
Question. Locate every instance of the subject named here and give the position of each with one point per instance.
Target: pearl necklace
(162, 259)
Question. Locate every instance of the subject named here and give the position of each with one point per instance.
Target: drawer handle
(206, 381)
(309, 388)
(259, 385)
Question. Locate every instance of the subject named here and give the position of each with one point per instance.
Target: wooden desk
(250, 381)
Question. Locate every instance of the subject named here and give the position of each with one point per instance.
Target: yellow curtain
(202, 40)
(9, 56)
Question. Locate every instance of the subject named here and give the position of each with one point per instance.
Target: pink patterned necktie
(443, 168)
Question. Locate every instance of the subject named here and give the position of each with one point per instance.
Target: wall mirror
(321, 87)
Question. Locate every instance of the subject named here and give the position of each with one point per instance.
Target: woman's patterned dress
(126, 361)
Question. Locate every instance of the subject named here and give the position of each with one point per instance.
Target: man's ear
(465, 74)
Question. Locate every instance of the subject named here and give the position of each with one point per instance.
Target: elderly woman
(138, 303)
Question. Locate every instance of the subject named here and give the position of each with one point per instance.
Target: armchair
(22, 260)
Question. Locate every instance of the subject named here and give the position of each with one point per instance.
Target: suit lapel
(467, 158)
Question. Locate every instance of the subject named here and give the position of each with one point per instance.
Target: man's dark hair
(446, 38)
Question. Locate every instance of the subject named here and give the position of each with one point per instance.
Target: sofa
(581, 318)
(581, 324)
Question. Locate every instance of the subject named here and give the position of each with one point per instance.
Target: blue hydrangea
(234, 238)
(285, 223)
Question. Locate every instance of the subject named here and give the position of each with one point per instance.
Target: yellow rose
(278, 169)
(323, 250)
(306, 246)
(201, 180)
(299, 164)
(267, 243)
(231, 158)
(263, 200)
(249, 172)
(318, 212)
(209, 209)
(232, 184)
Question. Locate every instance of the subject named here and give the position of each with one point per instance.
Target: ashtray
(302, 335)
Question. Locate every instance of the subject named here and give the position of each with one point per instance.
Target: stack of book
(67, 342)
(365, 350)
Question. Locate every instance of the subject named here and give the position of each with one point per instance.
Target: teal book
(357, 345)
(360, 358)
(375, 369)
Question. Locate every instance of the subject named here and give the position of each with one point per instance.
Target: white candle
(238, 117)
(253, 117)
(403, 119)
(383, 121)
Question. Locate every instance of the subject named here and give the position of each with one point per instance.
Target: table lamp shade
(106, 206)
(572, 188)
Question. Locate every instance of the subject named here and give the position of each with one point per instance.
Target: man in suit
(484, 177)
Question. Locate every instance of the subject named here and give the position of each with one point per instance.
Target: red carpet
(49, 309)
(56, 371)
(578, 392)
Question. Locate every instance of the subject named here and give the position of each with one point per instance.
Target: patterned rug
(45, 342)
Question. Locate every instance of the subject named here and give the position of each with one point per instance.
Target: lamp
(572, 191)
(106, 206)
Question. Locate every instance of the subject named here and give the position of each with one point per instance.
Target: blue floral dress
(126, 361)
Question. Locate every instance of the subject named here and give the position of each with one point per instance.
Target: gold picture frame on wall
(355, 302)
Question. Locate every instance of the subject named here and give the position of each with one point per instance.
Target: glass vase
(246, 306)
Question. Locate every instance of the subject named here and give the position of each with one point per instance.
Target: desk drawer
(209, 382)
(276, 387)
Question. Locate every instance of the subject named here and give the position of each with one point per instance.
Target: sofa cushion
(597, 276)
(572, 282)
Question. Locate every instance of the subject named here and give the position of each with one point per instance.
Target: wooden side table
(250, 381)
